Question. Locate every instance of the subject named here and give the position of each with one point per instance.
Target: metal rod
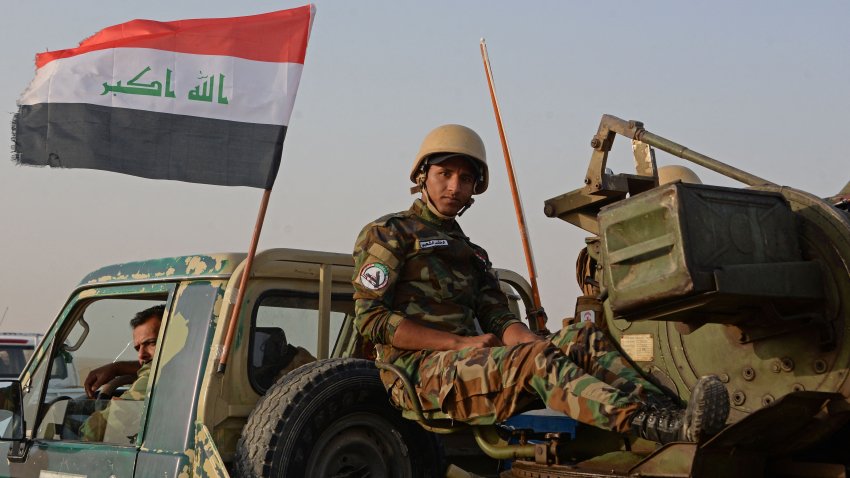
(520, 215)
(432, 425)
(243, 282)
(677, 149)
(489, 442)
(325, 283)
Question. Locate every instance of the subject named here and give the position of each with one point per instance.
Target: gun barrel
(677, 149)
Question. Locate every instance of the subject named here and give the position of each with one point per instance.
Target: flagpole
(243, 282)
(537, 315)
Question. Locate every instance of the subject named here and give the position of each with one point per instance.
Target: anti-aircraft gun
(750, 284)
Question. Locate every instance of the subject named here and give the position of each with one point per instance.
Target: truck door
(69, 434)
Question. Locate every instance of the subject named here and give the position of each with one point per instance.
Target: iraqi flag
(205, 100)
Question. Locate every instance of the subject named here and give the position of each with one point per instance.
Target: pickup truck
(330, 417)
(15, 350)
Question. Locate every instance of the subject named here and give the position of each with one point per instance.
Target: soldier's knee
(575, 332)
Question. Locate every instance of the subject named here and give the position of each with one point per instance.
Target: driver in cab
(109, 377)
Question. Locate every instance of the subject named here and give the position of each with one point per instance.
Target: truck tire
(332, 418)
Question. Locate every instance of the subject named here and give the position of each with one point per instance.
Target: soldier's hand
(98, 377)
(480, 341)
(518, 333)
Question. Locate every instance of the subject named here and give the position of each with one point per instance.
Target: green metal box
(681, 241)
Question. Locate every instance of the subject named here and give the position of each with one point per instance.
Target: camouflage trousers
(576, 371)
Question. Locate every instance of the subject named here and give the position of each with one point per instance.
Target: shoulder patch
(433, 243)
(374, 276)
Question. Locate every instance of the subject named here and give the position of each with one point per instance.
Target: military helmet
(668, 174)
(457, 139)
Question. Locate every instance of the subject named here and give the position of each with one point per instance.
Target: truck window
(15, 351)
(99, 334)
(13, 359)
(285, 333)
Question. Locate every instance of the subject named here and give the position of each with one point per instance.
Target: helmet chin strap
(466, 206)
(471, 199)
(432, 207)
(437, 213)
(420, 185)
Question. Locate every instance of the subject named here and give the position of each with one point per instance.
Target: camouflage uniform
(415, 266)
(94, 427)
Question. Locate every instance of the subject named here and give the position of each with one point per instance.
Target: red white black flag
(205, 100)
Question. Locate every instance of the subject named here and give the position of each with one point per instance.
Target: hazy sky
(761, 85)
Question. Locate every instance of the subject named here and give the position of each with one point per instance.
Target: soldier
(429, 298)
(145, 326)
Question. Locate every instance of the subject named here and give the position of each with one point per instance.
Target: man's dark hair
(147, 314)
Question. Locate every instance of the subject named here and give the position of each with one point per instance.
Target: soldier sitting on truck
(145, 325)
(421, 285)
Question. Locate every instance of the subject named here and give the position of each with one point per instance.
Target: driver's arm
(101, 375)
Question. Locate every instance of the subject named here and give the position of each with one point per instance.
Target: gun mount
(751, 284)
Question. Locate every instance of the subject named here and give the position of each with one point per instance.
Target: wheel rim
(360, 445)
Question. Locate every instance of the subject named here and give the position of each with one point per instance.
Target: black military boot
(662, 402)
(705, 415)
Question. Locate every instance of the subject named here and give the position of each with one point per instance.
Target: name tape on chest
(433, 243)
(374, 276)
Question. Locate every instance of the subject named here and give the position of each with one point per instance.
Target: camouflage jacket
(412, 265)
(95, 426)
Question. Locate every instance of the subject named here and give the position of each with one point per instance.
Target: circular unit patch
(374, 276)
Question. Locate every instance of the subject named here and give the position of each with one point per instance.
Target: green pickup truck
(330, 417)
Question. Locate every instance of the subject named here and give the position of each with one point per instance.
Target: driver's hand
(110, 388)
(97, 377)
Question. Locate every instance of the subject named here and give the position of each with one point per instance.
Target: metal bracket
(18, 451)
(581, 206)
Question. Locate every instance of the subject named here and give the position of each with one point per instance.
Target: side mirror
(11, 411)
